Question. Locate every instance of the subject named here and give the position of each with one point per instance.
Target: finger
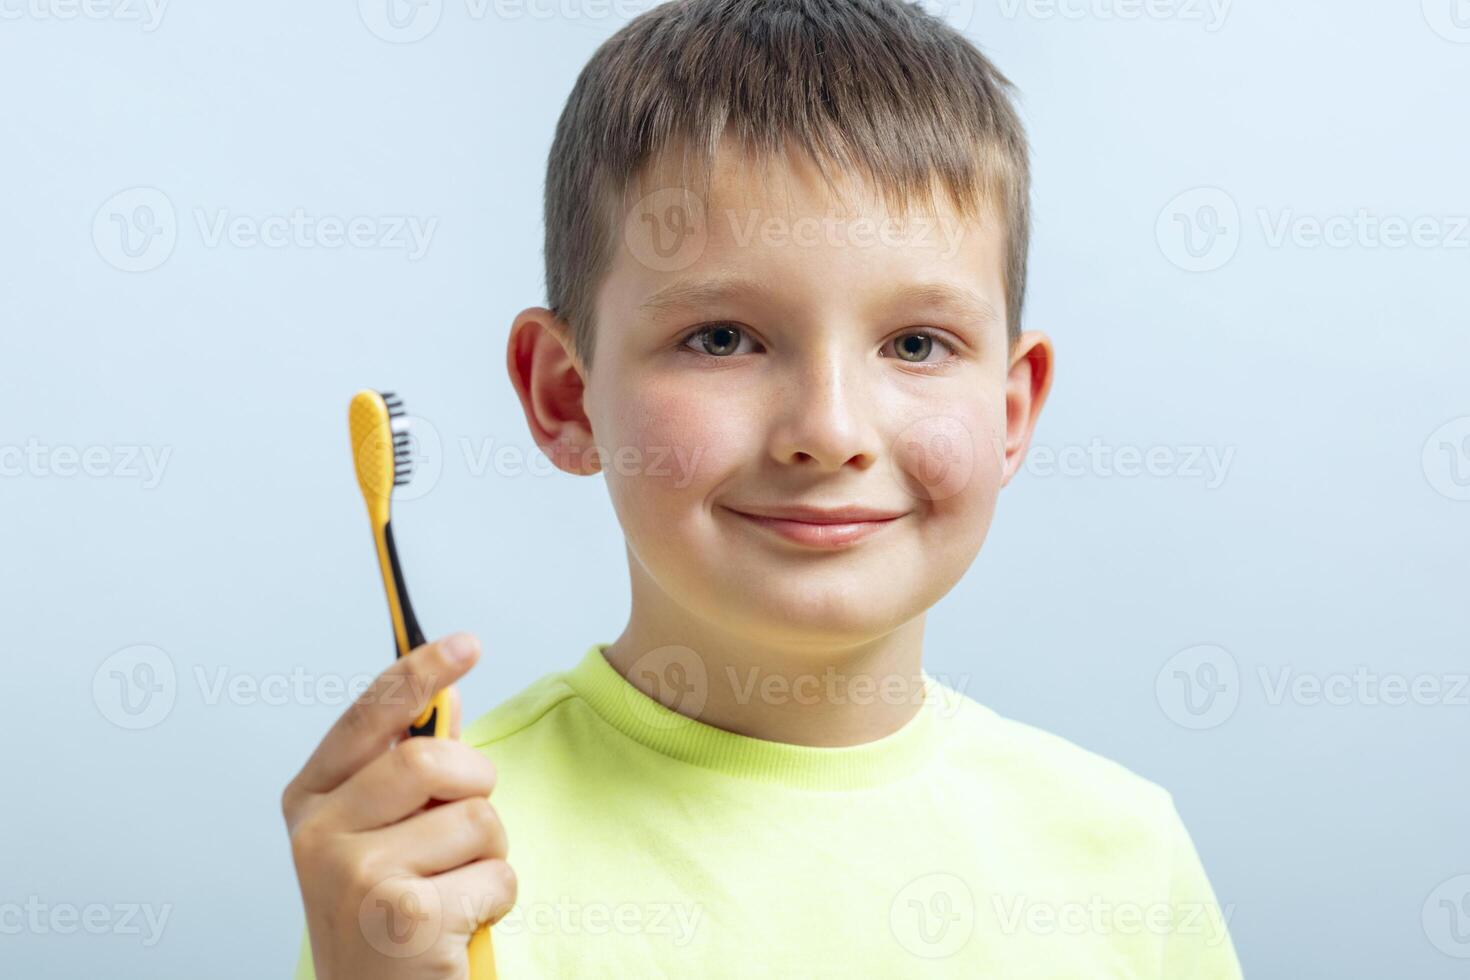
(481, 892)
(454, 713)
(403, 780)
(380, 714)
(443, 838)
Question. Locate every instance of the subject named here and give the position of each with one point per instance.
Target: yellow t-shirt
(965, 844)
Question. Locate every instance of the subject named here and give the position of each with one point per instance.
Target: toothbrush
(380, 452)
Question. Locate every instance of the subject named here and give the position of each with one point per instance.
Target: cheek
(952, 461)
(674, 442)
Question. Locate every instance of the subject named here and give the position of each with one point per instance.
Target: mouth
(822, 528)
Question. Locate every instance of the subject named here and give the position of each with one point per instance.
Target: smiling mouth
(818, 531)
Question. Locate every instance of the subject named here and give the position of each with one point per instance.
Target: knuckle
(492, 774)
(364, 874)
(470, 761)
(288, 801)
(475, 763)
(505, 887)
(419, 756)
(483, 820)
(306, 844)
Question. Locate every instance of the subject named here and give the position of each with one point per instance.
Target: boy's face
(764, 349)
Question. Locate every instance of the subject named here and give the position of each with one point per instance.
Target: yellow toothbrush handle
(435, 722)
(482, 955)
(436, 718)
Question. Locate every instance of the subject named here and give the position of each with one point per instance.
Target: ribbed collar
(663, 730)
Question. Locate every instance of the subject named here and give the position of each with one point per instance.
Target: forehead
(775, 220)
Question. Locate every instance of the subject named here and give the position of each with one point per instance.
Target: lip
(820, 527)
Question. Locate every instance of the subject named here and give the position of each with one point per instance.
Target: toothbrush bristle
(402, 460)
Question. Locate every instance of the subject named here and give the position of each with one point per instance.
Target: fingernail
(460, 647)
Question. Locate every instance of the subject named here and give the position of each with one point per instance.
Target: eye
(717, 339)
(916, 346)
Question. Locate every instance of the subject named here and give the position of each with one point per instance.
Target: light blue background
(1336, 540)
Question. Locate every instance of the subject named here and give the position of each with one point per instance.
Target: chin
(812, 615)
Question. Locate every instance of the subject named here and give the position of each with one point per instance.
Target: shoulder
(1053, 781)
(520, 713)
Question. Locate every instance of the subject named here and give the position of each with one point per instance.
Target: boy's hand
(394, 883)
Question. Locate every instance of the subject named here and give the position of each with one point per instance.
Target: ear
(551, 383)
(1027, 385)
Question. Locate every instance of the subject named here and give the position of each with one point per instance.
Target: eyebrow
(700, 292)
(960, 300)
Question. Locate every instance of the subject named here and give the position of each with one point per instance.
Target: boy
(786, 256)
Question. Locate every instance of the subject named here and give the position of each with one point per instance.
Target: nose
(824, 419)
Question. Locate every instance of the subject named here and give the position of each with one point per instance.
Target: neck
(800, 689)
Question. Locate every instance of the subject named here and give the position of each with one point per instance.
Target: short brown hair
(879, 87)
